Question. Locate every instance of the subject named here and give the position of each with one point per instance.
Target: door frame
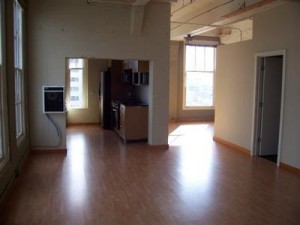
(255, 119)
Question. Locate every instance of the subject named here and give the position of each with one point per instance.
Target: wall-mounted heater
(53, 99)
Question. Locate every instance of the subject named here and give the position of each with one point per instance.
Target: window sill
(20, 139)
(199, 108)
(79, 108)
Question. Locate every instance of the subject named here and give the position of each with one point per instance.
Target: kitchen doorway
(270, 77)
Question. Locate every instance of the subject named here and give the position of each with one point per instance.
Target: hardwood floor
(197, 181)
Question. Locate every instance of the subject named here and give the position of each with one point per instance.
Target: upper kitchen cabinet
(118, 90)
(139, 71)
(137, 66)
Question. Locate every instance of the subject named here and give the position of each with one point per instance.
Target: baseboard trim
(49, 151)
(290, 168)
(191, 120)
(159, 147)
(232, 146)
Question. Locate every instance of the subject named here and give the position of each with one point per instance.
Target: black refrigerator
(105, 99)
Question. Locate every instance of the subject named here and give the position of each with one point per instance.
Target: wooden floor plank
(101, 180)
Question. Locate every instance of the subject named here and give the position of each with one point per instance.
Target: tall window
(3, 108)
(77, 84)
(19, 70)
(199, 79)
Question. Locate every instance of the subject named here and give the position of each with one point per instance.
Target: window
(19, 70)
(3, 113)
(77, 84)
(199, 79)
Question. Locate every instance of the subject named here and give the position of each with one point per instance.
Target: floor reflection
(195, 161)
(101, 180)
(77, 181)
(190, 134)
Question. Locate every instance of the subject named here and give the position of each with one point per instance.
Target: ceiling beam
(123, 2)
(168, 1)
(248, 8)
(129, 2)
(141, 2)
(137, 20)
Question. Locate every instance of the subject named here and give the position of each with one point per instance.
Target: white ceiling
(205, 17)
(214, 17)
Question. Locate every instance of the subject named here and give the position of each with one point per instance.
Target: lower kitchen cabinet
(133, 122)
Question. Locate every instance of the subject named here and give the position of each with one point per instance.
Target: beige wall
(234, 93)
(92, 113)
(63, 28)
(176, 111)
(276, 29)
(174, 74)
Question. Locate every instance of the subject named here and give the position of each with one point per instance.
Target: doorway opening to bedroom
(269, 105)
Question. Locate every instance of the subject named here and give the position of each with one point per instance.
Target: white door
(270, 105)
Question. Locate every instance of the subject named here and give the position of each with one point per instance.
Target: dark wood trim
(290, 168)
(49, 151)
(8, 190)
(160, 147)
(232, 146)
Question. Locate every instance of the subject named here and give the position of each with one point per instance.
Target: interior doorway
(270, 78)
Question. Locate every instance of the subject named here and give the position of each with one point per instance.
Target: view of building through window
(199, 80)
(77, 88)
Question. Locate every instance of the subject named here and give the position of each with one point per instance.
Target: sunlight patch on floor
(190, 135)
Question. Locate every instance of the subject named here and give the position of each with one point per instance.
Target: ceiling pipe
(211, 26)
(210, 10)
(245, 9)
(183, 6)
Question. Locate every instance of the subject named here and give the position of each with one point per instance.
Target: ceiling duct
(202, 40)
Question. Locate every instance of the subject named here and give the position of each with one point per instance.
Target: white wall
(62, 28)
(275, 29)
(234, 93)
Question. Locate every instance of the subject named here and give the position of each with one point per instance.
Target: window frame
(19, 21)
(184, 104)
(4, 146)
(84, 84)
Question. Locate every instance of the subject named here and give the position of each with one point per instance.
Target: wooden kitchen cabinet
(133, 123)
(137, 66)
(139, 72)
